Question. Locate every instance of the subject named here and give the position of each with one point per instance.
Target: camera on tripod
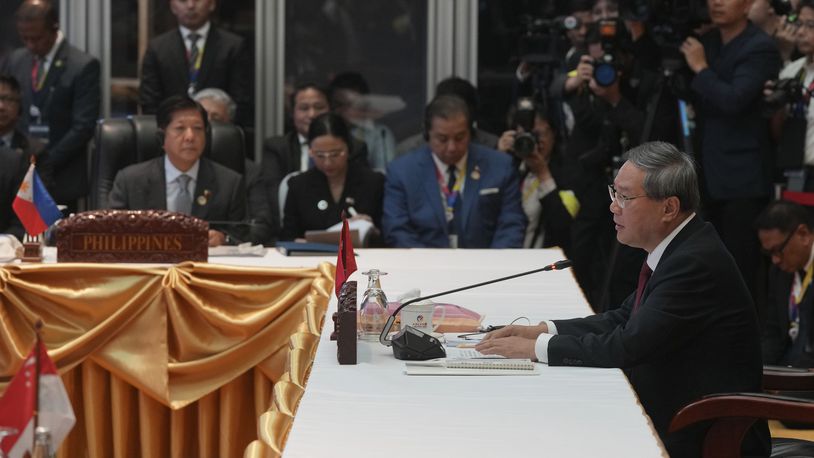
(786, 91)
(524, 142)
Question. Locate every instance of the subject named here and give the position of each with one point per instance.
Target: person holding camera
(549, 210)
(731, 63)
(790, 96)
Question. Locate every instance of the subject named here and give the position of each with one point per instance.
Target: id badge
(40, 132)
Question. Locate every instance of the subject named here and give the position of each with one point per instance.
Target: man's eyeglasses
(9, 99)
(620, 199)
(325, 155)
(778, 250)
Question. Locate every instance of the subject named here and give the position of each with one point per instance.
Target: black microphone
(412, 344)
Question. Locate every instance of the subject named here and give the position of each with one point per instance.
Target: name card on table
(148, 236)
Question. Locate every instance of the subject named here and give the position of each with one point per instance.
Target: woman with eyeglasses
(316, 198)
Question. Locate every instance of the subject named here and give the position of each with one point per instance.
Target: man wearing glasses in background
(785, 232)
(690, 328)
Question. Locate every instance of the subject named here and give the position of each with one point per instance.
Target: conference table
(327, 409)
(374, 409)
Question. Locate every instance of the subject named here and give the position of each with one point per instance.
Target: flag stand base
(32, 251)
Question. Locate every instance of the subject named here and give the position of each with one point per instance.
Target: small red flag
(345, 259)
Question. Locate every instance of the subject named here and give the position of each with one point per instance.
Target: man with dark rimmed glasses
(786, 237)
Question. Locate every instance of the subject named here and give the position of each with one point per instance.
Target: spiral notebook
(473, 366)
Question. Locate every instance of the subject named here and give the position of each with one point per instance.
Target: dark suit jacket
(363, 191)
(734, 134)
(695, 333)
(778, 347)
(142, 186)
(226, 65)
(69, 102)
(491, 214)
(281, 156)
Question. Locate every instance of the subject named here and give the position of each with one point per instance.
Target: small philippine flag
(33, 205)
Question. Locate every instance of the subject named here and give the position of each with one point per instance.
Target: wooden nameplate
(148, 236)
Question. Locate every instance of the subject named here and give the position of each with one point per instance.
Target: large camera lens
(524, 145)
(604, 73)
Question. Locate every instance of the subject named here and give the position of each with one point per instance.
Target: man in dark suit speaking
(689, 330)
(182, 180)
(194, 56)
(60, 96)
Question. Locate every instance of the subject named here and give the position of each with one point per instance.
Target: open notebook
(468, 361)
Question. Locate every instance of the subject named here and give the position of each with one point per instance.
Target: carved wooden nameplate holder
(149, 236)
(345, 324)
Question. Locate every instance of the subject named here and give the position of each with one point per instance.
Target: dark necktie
(193, 55)
(644, 275)
(451, 182)
(454, 203)
(2, 143)
(183, 203)
(37, 73)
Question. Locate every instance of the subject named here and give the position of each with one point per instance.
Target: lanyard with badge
(36, 128)
(451, 196)
(195, 66)
(798, 291)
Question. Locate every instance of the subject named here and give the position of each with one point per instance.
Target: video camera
(542, 42)
(670, 23)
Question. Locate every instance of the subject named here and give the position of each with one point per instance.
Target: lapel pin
(204, 198)
(475, 173)
(58, 63)
(322, 205)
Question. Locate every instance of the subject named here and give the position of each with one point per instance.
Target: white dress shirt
(173, 187)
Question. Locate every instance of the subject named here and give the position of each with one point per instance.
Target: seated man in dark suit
(196, 55)
(263, 229)
(786, 235)
(182, 180)
(452, 193)
(689, 330)
(10, 133)
(60, 96)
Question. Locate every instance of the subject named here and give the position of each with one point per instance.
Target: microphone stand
(412, 344)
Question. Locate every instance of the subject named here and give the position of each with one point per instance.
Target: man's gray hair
(667, 172)
(218, 95)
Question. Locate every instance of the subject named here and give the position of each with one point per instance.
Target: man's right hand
(506, 141)
(527, 332)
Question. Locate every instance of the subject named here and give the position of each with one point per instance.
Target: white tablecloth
(373, 409)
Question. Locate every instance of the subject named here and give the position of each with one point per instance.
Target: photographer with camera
(549, 210)
(731, 63)
(778, 19)
(790, 99)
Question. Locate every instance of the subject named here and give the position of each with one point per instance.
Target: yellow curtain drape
(274, 425)
(166, 361)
